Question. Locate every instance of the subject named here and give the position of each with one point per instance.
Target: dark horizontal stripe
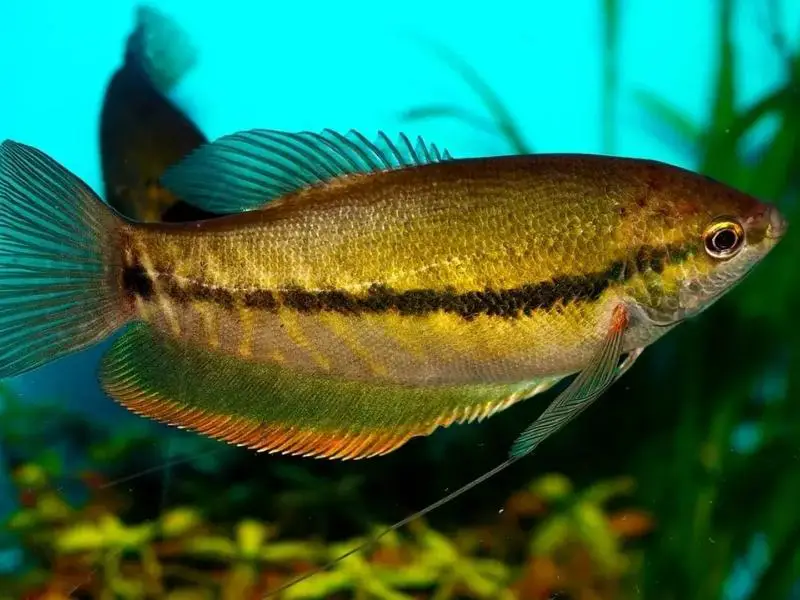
(510, 303)
(137, 282)
(502, 303)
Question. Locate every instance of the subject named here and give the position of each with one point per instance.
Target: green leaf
(610, 79)
(779, 577)
(720, 154)
(689, 134)
(504, 121)
(179, 521)
(445, 111)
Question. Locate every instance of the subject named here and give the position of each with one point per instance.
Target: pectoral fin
(589, 385)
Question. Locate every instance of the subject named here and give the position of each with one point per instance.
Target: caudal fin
(58, 286)
(160, 48)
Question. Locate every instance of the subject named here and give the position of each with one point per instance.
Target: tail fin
(160, 48)
(58, 292)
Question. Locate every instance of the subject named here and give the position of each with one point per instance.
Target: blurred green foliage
(95, 547)
(742, 376)
(710, 417)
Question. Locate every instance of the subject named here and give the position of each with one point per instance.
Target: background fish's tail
(160, 48)
(59, 275)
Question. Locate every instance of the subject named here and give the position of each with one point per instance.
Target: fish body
(142, 131)
(489, 270)
(360, 294)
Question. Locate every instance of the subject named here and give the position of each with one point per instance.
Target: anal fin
(271, 409)
(590, 383)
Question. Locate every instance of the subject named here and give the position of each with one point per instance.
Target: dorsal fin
(245, 170)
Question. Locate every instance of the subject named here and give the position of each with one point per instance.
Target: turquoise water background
(312, 65)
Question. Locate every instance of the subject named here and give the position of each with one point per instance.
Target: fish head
(711, 236)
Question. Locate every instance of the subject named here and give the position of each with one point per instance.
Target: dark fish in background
(142, 132)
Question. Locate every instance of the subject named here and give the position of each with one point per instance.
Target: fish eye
(723, 238)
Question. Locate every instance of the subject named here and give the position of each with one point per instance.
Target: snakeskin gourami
(359, 293)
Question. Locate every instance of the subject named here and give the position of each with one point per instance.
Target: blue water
(312, 65)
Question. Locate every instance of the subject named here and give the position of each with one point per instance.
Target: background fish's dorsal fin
(245, 170)
(160, 48)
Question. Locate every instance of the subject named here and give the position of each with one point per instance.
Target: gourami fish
(142, 132)
(358, 294)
